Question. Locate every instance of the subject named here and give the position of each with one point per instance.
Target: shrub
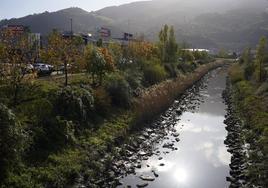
(243, 89)
(236, 73)
(263, 89)
(171, 70)
(11, 142)
(74, 103)
(153, 74)
(134, 78)
(248, 71)
(119, 90)
(186, 67)
(102, 101)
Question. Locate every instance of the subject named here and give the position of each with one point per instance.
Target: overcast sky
(19, 8)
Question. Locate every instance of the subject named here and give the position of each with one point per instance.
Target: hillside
(209, 24)
(83, 21)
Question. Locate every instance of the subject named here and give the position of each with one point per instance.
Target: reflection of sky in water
(201, 160)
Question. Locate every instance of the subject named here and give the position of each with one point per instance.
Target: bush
(74, 103)
(119, 90)
(11, 142)
(153, 74)
(243, 89)
(134, 78)
(263, 89)
(236, 73)
(186, 67)
(248, 71)
(171, 70)
(102, 101)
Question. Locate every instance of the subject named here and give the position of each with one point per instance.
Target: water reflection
(201, 160)
(181, 175)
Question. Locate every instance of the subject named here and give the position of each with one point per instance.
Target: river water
(201, 159)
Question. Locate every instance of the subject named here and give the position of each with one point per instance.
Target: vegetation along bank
(57, 130)
(247, 119)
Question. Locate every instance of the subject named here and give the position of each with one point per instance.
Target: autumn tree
(116, 51)
(62, 50)
(15, 52)
(52, 54)
(141, 50)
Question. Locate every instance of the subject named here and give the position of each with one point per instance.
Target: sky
(19, 8)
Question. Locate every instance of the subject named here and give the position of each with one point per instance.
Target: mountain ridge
(201, 24)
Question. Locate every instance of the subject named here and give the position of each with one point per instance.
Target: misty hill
(44, 23)
(202, 23)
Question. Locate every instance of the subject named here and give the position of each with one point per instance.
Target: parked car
(43, 69)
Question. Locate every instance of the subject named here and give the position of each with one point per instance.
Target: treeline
(249, 80)
(50, 127)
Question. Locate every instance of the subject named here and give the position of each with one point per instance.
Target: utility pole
(71, 26)
(128, 30)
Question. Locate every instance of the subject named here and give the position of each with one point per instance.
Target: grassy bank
(250, 99)
(159, 97)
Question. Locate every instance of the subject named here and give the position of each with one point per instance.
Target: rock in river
(142, 185)
(147, 178)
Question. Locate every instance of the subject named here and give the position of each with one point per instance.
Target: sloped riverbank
(140, 146)
(184, 147)
(111, 159)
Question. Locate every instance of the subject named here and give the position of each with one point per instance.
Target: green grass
(253, 111)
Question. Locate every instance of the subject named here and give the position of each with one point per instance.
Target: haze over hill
(202, 23)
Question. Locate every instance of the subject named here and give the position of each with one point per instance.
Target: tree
(260, 59)
(52, 54)
(246, 61)
(246, 57)
(116, 51)
(172, 46)
(99, 61)
(163, 39)
(15, 58)
(62, 50)
(167, 45)
(141, 50)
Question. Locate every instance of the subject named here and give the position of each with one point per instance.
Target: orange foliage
(142, 49)
(110, 64)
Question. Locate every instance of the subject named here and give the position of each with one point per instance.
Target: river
(200, 159)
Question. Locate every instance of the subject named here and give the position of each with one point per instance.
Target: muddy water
(200, 159)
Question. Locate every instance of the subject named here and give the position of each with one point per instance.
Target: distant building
(87, 37)
(197, 50)
(15, 29)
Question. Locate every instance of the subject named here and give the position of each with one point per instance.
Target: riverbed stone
(146, 178)
(142, 185)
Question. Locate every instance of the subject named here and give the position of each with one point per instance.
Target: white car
(43, 69)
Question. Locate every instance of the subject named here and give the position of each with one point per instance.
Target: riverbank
(183, 146)
(247, 130)
(117, 161)
(159, 97)
(69, 149)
